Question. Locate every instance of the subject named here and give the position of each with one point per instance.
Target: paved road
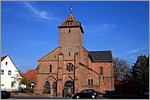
(19, 97)
(98, 97)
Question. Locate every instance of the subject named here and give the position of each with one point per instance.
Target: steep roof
(100, 56)
(31, 75)
(70, 18)
(2, 58)
(75, 23)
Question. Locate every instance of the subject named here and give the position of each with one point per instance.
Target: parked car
(88, 93)
(5, 94)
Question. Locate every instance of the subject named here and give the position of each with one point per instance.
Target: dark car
(88, 93)
(5, 95)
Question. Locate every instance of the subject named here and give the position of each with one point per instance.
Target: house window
(9, 72)
(2, 72)
(12, 84)
(6, 63)
(101, 71)
(69, 54)
(69, 30)
(50, 68)
(70, 23)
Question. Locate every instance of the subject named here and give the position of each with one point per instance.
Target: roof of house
(100, 56)
(2, 58)
(31, 75)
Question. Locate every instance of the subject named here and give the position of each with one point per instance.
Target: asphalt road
(98, 97)
(19, 97)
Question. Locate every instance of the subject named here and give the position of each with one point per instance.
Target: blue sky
(29, 30)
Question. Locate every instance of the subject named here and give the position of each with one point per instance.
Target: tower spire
(71, 10)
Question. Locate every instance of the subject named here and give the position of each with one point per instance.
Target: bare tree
(121, 68)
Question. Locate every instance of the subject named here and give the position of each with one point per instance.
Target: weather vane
(71, 10)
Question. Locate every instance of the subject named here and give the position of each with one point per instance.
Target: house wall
(6, 79)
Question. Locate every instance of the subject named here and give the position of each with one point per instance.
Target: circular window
(69, 67)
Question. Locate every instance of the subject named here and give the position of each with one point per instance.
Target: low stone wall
(30, 95)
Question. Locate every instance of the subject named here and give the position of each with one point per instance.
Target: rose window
(69, 67)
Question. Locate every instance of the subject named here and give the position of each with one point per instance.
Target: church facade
(70, 68)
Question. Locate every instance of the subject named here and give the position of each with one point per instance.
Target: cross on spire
(71, 10)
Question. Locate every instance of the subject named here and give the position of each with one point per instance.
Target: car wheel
(77, 97)
(93, 96)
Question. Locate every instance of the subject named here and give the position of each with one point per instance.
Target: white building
(10, 76)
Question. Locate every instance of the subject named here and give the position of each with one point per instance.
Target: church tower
(70, 37)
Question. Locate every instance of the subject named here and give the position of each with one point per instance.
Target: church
(71, 68)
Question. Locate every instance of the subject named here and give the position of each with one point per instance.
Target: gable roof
(31, 75)
(2, 58)
(101, 56)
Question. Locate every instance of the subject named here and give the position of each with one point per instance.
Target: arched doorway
(47, 88)
(68, 88)
(55, 88)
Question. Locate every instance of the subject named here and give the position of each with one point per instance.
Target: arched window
(55, 88)
(91, 82)
(101, 71)
(47, 88)
(50, 70)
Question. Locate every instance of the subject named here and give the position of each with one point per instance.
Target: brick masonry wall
(70, 42)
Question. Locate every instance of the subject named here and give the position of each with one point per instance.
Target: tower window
(69, 54)
(101, 71)
(70, 23)
(50, 70)
(69, 30)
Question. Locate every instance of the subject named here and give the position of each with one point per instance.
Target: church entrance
(68, 88)
(47, 88)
